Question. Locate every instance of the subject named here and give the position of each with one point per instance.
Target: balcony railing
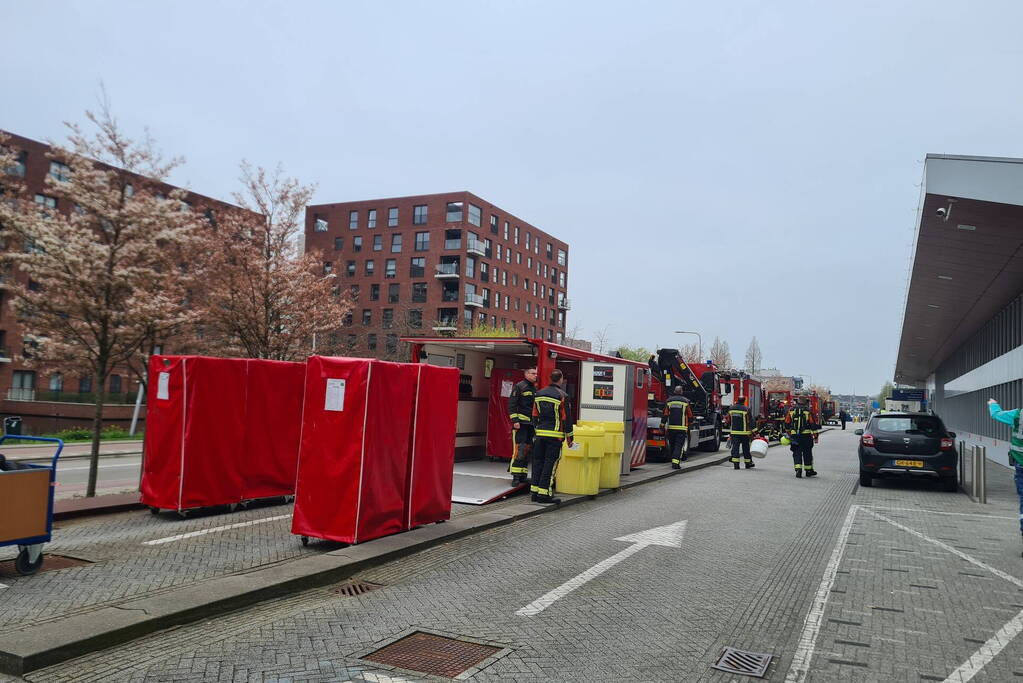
(446, 270)
(453, 244)
(476, 247)
(473, 300)
(20, 394)
(565, 304)
(446, 324)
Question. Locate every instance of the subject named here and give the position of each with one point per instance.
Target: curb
(35, 647)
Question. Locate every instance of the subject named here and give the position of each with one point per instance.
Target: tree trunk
(97, 429)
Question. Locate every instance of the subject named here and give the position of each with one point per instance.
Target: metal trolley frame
(26, 507)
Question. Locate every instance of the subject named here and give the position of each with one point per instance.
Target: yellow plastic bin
(579, 469)
(612, 449)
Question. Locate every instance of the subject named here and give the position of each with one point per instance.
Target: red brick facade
(479, 264)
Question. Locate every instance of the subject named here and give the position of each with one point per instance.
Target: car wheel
(951, 485)
(866, 479)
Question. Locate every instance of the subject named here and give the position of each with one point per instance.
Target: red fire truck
(741, 385)
(600, 388)
(702, 384)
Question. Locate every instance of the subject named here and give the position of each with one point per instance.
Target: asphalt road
(118, 466)
(898, 582)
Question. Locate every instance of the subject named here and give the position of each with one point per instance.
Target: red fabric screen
(499, 431)
(433, 446)
(225, 431)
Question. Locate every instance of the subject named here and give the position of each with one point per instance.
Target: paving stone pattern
(757, 542)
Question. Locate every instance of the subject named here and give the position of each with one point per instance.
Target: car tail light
(867, 439)
(947, 444)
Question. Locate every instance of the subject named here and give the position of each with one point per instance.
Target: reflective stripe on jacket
(739, 421)
(678, 412)
(798, 421)
(520, 403)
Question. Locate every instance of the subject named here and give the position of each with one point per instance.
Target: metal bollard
(980, 473)
(961, 449)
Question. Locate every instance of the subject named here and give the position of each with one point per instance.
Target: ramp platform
(478, 482)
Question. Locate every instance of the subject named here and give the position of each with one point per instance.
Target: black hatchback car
(908, 445)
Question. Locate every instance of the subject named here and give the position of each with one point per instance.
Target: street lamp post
(700, 338)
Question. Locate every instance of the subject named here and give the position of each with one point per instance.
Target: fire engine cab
(702, 385)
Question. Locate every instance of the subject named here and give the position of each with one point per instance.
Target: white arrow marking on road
(669, 535)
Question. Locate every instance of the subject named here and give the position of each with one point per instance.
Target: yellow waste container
(613, 448)
(579, 468)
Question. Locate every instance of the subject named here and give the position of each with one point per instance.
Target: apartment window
(486, 297)
(534, 287)
(388, 318)
(357, 243)
(518, 304)
(516, 234)
(543, 291)
(527, 240)
(60, 172)
(347, 321)
(371, 342)
(467, 316)
(350, 268)
(378, 242)
(391, 342)
(422, 241)
(370, 267)
(328, 267)
(515, 279)
(518, 258)
(533, 327)
(562, 257)
(419, 292)
(374, 292)
(393, 293)
(367, 316)
(529, 307)
(545, 270)
(475, 215)
(506, 230)
(454, 212)
(371, 218)
(529, 262)
(352, 341)
(499, 252)
(506, 300)
(34, 286)
(536, 246)
(417, 267)
(494, 222)
(561, 278)
(391, 268)
(353, 220)
(320, 224)
(56, 382)
(46, 201)
(115, 384)
(484, 272)
(18, 168)
(419, 215)
(354, 291)
(84, 385)
(549, 251)
(504, 278)
(339, 243)
(507, 255)
(415, 318)
(470, 266)
(496, 271)
(395, 244)
(392, 217)
(453, 239)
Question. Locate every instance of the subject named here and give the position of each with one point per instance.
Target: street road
(898, 582)
(118, 466)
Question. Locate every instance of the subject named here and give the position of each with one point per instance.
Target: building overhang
(967, 260)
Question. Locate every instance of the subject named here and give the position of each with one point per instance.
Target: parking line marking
(935, 512)
(203, 532)
(800, 666)
(4, 585)
(102, 467)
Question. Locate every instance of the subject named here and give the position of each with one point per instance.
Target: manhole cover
(353, 588)
(430, 654)
(51, 563)
(742, 662)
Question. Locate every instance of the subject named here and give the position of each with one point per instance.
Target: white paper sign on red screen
(335, 400)
(163, 386)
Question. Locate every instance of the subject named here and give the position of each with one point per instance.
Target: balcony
(446, 325)
(446, 270)
(476, 247)
(474, 300)
(565, 305)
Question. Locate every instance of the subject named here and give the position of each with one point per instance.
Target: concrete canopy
(968, 257)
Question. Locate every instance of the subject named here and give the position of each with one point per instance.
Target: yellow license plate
(909, 463)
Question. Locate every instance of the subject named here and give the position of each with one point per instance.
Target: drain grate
(430, 654)
(742, 662)
(51, 563)
(353, 588)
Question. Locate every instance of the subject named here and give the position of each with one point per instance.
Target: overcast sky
(734, 168)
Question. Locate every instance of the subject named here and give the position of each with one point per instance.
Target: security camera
(942, 212)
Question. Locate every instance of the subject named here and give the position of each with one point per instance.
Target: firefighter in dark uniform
(520, 411)
(552, 421)
(678, 415)
(740, 424)
(799, 424)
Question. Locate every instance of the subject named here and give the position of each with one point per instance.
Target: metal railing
(447, 269)
(476, 246)
(473, 300)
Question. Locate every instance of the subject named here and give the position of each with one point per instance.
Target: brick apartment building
(435, 264)
(47, 398)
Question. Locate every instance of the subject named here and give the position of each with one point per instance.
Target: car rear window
(930, 426)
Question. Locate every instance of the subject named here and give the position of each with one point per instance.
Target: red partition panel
(432, 459)
(386, 449)
(164, 439)
(330, 457)
(499, 429)
(214, 431)
(269, 458)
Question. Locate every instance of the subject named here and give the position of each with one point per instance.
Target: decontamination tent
(220, 430)
(377, 448)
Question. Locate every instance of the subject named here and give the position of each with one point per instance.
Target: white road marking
(4, 585)
(669, 535)
(203, 532)
(800, 666)
(102, 467)
(989, 650)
